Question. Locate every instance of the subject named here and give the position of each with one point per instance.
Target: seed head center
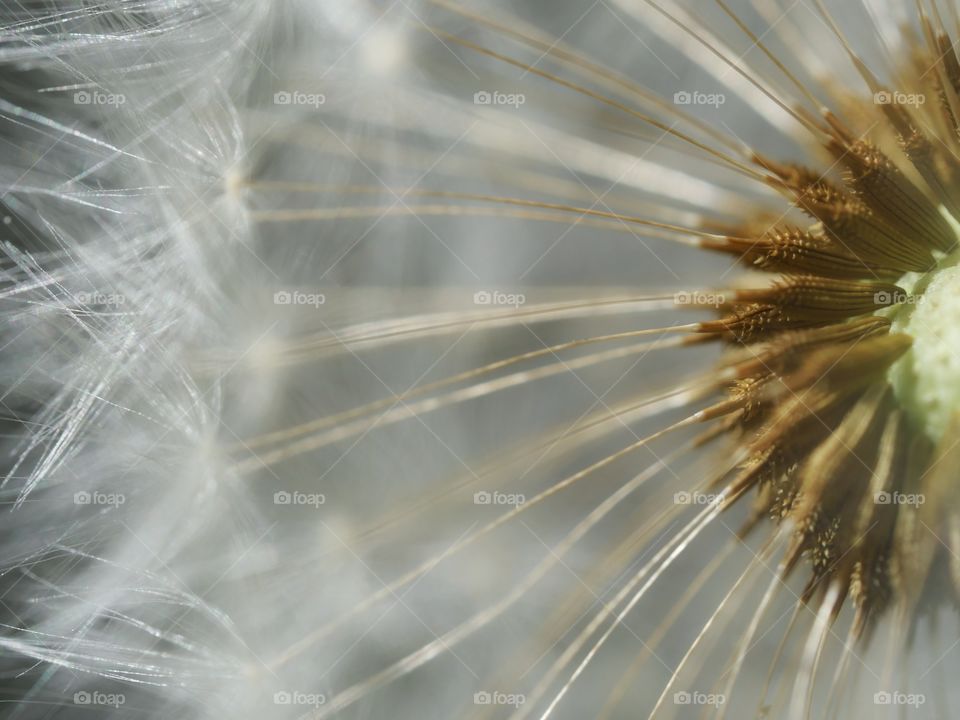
(926, 379)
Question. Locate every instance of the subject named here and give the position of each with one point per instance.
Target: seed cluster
(830, 447)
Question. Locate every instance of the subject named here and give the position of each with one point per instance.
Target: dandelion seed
(450, 360)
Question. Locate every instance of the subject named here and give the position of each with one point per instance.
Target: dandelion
(446, 359)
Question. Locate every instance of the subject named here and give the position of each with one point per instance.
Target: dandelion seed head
(516, 450)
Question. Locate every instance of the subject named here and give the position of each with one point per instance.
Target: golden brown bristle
(825, 438)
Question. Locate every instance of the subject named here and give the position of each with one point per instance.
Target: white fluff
(148, 562)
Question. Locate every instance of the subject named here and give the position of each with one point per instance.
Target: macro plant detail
(480, 359)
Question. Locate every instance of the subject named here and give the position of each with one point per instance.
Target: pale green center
(926, 379)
